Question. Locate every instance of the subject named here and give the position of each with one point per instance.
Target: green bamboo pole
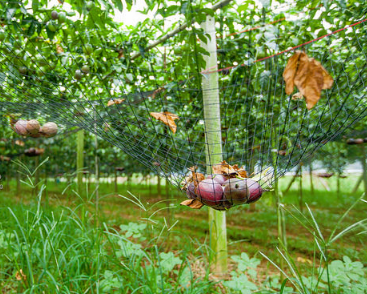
(213, 141)
(80, 160)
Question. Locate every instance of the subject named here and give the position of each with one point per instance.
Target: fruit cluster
(221, 191)
(32, 128)
(31, 152)
(358, 141)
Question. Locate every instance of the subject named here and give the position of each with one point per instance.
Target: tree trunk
(311, 179)
(150, 185)
(213, 141)
(359, 181)
(116, 187)
(364, 165)
(300, 189)
(159, 191)
(292, 181)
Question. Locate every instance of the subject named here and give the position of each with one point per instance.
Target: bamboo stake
(213, 141)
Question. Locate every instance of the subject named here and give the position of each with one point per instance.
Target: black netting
(263, 130)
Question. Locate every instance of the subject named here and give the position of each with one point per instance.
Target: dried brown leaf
(192, 203)
(167, 118)
(59, 49)
(223, 168)
(193, 168)
(308, 75)
(19, 142)
(328, 80)
(115, 101)
(4, 158)
(154, 94)
(240, 171)
(290, 72)
(297, 96)
(193, 177)
(20, 275)
(309, 80)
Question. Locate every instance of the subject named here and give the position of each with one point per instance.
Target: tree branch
(177, 30)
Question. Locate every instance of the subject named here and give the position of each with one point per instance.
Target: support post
(80, 160)
(213, 141)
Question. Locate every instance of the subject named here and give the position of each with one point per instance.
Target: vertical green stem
(80, 160)
(18, 183)
(168, 202)
(80, 165)
(96, 161)
(37, 174)
(213, 141)
(116, 187)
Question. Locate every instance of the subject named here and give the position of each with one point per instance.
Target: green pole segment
(213, 141)
(80, 160)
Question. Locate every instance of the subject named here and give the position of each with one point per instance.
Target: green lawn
(64, 242)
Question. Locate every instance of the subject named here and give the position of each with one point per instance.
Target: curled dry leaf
(154, 94)
(34, 152)
(19, 143)
(115, 101)
(59, 49)
(192, 203)
(297, 96)
(308, 75)
(240, 171)
(167, 118)
(290, 72)
(193, 177)
(4, 158)
(193, 168)
(20, 275)
(223, 168)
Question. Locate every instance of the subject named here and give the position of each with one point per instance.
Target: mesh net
(263, 130)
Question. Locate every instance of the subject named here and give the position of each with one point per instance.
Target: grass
(61, 246)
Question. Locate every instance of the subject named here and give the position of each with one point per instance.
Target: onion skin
(20, 127)
(190, 191)
(236, 191)
(49, 130)
(210, 192)
(33, 127)
(255, 190)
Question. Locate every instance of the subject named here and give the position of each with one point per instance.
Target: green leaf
(9, 13)
(118, 4)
